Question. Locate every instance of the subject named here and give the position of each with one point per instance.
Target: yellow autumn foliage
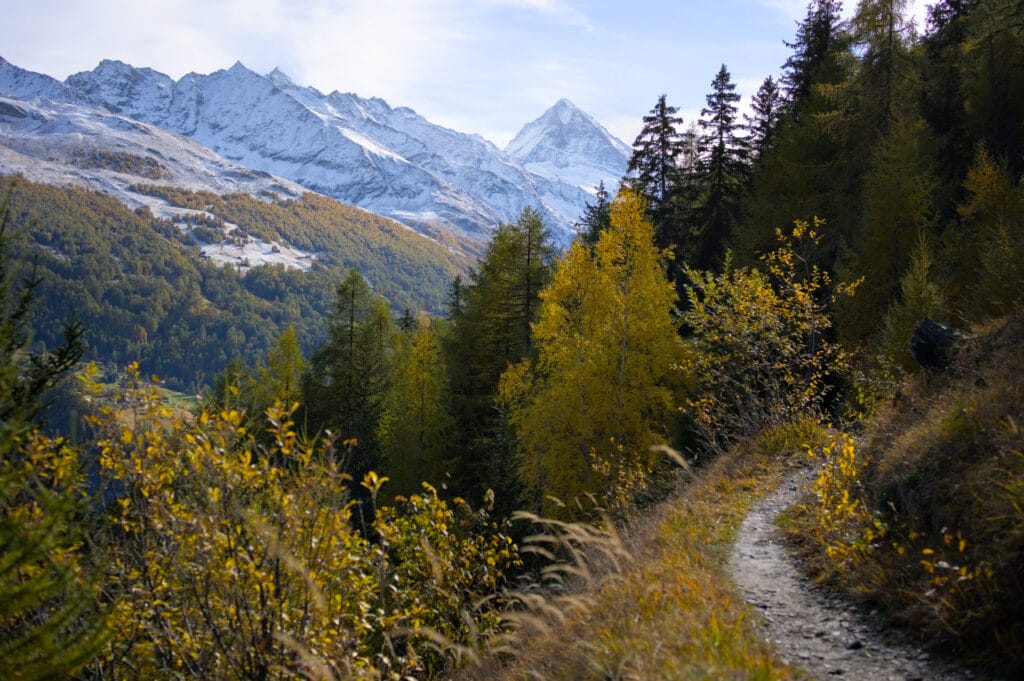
(597, 398)
(234, 560)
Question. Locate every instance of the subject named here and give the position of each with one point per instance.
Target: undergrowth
(925, 516)
(655, 602)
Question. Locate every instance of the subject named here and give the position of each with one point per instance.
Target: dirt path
(810, 629)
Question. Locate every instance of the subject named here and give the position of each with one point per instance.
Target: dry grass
(658, 604)
(946, 477)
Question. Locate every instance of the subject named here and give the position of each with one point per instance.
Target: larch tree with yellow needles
(591, 406)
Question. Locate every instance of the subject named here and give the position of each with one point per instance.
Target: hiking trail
(810, 628)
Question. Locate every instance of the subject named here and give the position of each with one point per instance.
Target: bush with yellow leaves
(232, 560)
(759, 352)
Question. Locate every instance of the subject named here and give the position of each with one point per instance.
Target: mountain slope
(153, 287)
(61, 142)
(931, 530)
(361, 151)
(567, 144)
(21, 84)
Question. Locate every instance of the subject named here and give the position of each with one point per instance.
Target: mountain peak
(239, 68)
(280, 78)
(23, 84)
(566, 111)
(112, 63)
(566, 139)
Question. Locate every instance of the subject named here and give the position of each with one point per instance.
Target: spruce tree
(807, 170)
(767, 107)
(596, 218)
(455, 301)
(492, 330)
(655, 150)
(343, 388)
(722, 174)
(813, 48)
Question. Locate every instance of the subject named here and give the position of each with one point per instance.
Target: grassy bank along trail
(922, 517)
(826, 635)
(669, 609)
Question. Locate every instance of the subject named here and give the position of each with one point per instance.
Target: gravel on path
(811, 629)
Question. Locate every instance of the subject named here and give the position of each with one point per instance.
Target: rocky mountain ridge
(361, 151)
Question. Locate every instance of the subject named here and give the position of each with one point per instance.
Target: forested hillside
(143, 293)
(544, 479)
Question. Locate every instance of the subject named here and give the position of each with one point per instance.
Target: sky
(476, 66)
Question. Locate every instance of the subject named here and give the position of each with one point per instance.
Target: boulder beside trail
(933, 344)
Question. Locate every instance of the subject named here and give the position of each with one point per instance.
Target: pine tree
(723, 172)
(813, 49)
(493, 330)
(655, 151)
(807, 171)
(343, 389)
(596, 218)
(767, 108)
(656, 175)
(407, 321)
(455, 298)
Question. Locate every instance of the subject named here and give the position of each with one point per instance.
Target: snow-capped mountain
(17, 83)
(567, 144)
(361, 151)
(59, 143)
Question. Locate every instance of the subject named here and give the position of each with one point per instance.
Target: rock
(854, 644)
(932, 344)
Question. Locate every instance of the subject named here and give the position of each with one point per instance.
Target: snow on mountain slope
(328, 144)
(62, 143)
(21, 84)
(473, 175)
(127, 90)
(567, 144)
(361, 151)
